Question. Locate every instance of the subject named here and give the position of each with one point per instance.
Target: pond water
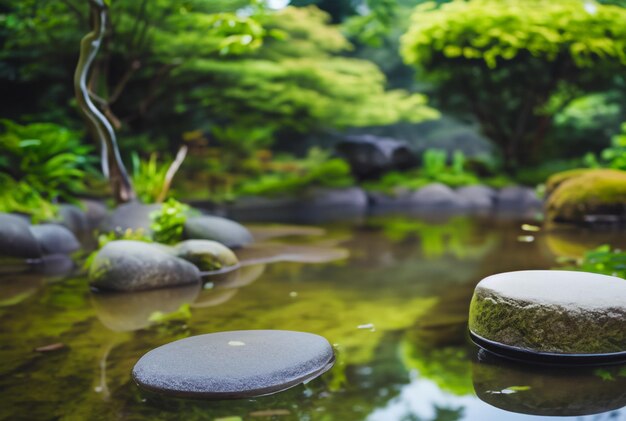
(390, 293)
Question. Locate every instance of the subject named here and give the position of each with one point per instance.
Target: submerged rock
(232, 365)
(207, 255)
(222, 230)
(133, 265)
(561, 312)
(55, 239)
(16, 239)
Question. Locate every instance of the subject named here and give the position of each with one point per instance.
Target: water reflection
(123, 312)
(548, 391)
(406, 281)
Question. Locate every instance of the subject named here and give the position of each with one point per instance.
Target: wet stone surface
(231, 365)
(561, 312)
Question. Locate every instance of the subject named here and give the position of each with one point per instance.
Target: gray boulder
(134, 265)
(207, 255)
(132, 216)
(16, 239)
(95, 211)
(437, 196)
(478, 197)
(518, 198)
(55, 239)
(370, 156)
(73, 218)
(222, 230)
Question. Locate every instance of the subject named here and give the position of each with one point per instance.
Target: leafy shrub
(294, 176)
(434, 169)
(22, 198)
(168, 222)
(41, 163)
(148, 177)
(615, 156)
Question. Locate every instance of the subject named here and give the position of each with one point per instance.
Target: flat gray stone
(55, 239)
(134, 265)
(232, 365)
(222, 230)
(552, 311)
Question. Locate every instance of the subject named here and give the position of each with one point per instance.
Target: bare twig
(171, 172)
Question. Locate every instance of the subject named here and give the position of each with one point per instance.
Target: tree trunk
(112, 165)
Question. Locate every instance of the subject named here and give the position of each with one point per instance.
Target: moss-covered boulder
(557, 179)
(207, 255)
(578, 195)
(562, 312)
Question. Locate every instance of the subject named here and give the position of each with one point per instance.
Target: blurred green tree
(513, 65)
(168, 67)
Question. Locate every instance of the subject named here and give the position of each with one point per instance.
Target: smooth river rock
(207, 255)
(232, 365)
(134, 216)
(222, 230)
(16, 239)
(134, 265)
(562, 312)
(55, 239)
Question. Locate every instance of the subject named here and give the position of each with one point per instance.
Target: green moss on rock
(547, 323)
(593, 192)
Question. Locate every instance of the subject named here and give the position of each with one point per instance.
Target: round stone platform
(232, 365)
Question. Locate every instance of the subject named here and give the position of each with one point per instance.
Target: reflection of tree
(441, 414)
(452, 236)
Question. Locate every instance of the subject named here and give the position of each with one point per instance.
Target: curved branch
(99, 125)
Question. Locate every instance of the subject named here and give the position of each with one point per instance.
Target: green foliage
(434, 169)
(41, 163)
(615, 156)
(316, 170)
(148, 177)
(604, 260)
(512, 65)
(168, 222)
(175, 66)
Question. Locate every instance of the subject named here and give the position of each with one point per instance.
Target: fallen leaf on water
(50, 347)
(228, 419)
(269, 413)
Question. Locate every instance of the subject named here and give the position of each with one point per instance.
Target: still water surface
(391, 293)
